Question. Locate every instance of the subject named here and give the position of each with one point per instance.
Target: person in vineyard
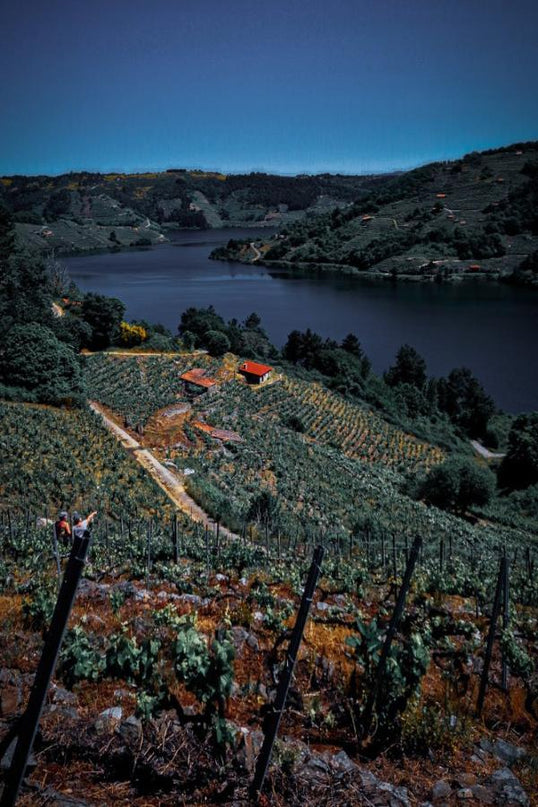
(62, 529)
(80, 525)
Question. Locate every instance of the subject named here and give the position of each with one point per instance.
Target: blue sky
(286, 86)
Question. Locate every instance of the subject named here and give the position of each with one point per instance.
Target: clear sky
(276, 85)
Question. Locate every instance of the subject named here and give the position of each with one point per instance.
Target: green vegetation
(434, 222)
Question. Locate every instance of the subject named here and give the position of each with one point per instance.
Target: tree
(103, 315)
(410, 368)
(132, 334)
(519, 469)
(253, 321)
(457, 484)
(217, 343)
(351, 344)
(36, 362)
(465, 401)
(201, 320)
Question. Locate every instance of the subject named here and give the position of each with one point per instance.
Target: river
(488, 327)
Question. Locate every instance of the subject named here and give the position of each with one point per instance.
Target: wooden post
(506, 619)
(148, 552)
(491, 637)
(391, 630)
(273, 721)
(174, 538)
(26, 730)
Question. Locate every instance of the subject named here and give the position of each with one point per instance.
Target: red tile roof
(198, 378)
(253, 368)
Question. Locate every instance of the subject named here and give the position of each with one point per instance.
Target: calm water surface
(491, 329)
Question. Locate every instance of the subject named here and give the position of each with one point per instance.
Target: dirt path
(161, 474)
(256, 252)
(485, 452)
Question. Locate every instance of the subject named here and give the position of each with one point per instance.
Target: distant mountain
(84, 211)
(477, 216)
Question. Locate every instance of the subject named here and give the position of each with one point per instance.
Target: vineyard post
(174, 539)
(383, 558)
(394, 563)
(441, 554)
(27, 727)
(206, 540)
(391, 630)
(56, 554)
(274, 717)
(148, 552)
(491, 636)
(506, 619)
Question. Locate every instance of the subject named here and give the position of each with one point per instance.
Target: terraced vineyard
(331, 420)
(136, 386)
(332, 469)
(54, 459)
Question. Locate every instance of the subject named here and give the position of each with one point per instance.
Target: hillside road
(162, 475)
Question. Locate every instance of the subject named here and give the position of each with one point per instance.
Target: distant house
(196, 381)
(475, 267)
(366, 218)
(255, 373)
(440, 195)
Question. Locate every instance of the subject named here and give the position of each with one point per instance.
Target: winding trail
(257, 252)
(485, 452)
(161, 474)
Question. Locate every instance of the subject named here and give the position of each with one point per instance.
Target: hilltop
(472, 217)
(83, 211)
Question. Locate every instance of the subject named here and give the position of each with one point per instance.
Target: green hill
(83, 211)
(475, 216)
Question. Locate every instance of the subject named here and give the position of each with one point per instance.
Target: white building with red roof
(255, 373)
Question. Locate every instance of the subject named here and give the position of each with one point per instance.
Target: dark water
(492, 329)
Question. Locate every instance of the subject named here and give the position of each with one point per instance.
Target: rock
(52, 798)
(508, 788)
(67, 712)
(482, 794)
(239, 637)
(316, 769)
(141, 595)
(61, 695)
(243, 581)
(342, 761)
(115, 712)
(466, 779)
(441, 790)
(252, 642)
(221, 578)
(92, 590)
(192, 599)
(5, 762)
(464, 794)
(130, 730)
(322, 606)
(108, 720)
(249, 748)
(507, 752)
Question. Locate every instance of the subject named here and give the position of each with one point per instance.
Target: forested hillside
(473, 217)
(83, 211)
